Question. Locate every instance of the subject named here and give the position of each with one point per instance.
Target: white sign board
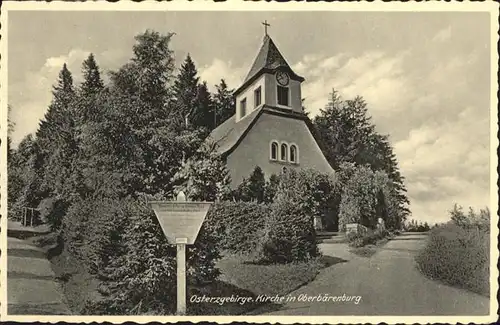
(180, 221)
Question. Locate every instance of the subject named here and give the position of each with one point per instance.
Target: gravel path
(388, 283)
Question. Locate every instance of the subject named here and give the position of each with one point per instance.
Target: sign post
(181, 277)
(181, 222)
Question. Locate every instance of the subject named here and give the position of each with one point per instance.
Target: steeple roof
(268, 59)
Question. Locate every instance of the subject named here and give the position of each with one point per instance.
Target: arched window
(284, 152)
(294, 154)
(274, 150)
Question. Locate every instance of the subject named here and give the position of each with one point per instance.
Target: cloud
(436, 114)
(376, 76)
(443, 35)
(31, 97)
(218, 69)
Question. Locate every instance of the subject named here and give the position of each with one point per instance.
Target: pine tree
(203, 106)
(186, 89)
(56, 139)
(347, 135)
(57, 116)
(10, 129)
(253, 188)
(223, 104)
(23, 167)
(92, 83)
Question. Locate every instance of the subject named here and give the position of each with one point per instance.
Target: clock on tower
(282, 78)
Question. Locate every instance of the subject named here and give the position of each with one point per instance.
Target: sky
(424, 75)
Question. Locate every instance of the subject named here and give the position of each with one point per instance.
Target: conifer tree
(92, 83)
(347, 135)
(253, 187)
(186, 88)
(57, 142)
(203, 106)
(223, 103)
(56, 118)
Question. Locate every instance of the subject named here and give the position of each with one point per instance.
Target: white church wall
(253, 150)
(248, 93)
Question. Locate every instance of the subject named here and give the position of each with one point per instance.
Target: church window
(274, 150)
(257, 96)
(243, 107)
(284, 152)
(294, 154)
(282, 96)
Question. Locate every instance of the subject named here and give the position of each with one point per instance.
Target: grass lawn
(77, 284)
(272, 279)
(242, 277)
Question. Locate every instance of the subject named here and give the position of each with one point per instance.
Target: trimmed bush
(458, 256)
(237, 227)
(370, 238)
(290, 234)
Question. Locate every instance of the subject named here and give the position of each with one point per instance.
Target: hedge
(237, 227)
(458, 256)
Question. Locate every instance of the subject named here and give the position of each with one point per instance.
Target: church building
(269, 129)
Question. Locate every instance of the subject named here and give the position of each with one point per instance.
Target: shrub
(366, 195)
(321, 197)
(53, 210)
(415, 226)
(271, 188)
(237, 226)
(458, 256)
(472, 219)
(126, 247)
(289, 233)
(370, 238)
(359, 199)
(204, 176)
(252, 188)
(92, 231)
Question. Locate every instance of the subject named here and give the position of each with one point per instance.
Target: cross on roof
(265, 26)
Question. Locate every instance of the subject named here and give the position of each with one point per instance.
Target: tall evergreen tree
(56, 138)
(347, 135)
(186, 89)
(92, 83)
(57, 117)
(148, 142)
(201, 116)
(223, 104)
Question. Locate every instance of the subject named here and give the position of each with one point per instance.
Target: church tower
(270, 82)
(269, 128)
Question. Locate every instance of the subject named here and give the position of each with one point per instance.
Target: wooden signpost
(181, 222)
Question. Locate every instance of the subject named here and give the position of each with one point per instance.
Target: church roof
(268, 59)
(227, 135)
